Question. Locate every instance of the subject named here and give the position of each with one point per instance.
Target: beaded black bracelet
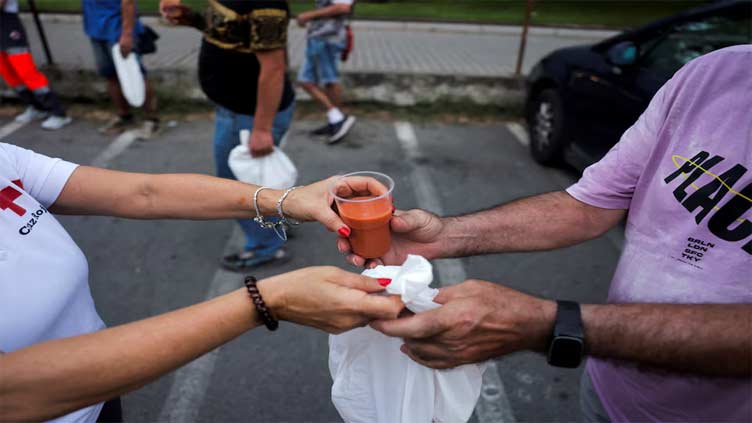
(269, 321)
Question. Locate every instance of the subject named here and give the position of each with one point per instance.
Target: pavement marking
(116, 147)
(519, 133)
(190, 382)
(493, 404)
(10, 128)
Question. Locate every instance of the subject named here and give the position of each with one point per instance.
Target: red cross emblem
(8, 196)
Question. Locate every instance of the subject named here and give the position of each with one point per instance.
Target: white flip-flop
(130, 77)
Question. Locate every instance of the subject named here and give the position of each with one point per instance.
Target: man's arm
(481, 320)
(270, 85)
(336, 9)
(713, 339)
(542, 222)
(128, 16)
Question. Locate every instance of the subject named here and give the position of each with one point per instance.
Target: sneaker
(250, 259)
(148, 129)
(31, 113)
(117, 125)
(321, 130)
(339, 130)
(53, 123)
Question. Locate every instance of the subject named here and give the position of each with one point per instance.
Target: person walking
(242, 69)
(110, 22)
(326, 38)
(19, 72)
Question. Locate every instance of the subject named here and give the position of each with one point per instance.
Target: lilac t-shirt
(683, 172)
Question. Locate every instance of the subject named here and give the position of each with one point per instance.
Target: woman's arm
(57, 377)
(96, 191)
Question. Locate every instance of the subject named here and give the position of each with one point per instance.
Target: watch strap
(568, 319)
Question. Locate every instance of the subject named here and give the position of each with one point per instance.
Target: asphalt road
(143, 268)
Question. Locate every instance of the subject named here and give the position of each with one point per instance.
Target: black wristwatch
(567, 345)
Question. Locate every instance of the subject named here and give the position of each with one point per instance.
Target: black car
(581, 99)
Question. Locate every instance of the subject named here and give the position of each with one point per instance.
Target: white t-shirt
(44, 276)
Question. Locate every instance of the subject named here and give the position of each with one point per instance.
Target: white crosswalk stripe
(493, 404)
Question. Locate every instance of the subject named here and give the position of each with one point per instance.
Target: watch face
(566, 351)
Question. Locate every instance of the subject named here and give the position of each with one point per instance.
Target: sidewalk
(394, 62)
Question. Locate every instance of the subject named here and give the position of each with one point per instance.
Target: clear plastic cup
(364, 202)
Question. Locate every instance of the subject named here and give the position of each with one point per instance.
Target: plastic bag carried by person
(275, 170)
(374, 382)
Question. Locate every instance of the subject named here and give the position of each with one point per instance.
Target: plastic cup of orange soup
(364, 201)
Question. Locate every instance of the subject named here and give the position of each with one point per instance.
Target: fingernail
(344, 232)
(384, 281)
(394, 209)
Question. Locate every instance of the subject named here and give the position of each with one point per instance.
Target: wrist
(292, 206)
(267, 201)
(542, 319)
(449, 241)
(272, 292)
(261, 130)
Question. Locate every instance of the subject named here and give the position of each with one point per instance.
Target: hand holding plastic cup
(364, 201)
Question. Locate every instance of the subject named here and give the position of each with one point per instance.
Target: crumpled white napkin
(410, 281)
(375, 382)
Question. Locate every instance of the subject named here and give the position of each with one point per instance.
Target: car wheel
(546, 127)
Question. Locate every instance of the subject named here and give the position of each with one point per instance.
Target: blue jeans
(320, 63)
(103, 58)
(226, 137)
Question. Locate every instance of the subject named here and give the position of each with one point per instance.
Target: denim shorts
(320, 64)
(103, 57)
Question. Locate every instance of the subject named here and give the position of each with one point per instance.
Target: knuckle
(467, 319)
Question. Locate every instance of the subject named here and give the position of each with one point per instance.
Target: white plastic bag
(129, 74)
(274, 170)
(376, 383)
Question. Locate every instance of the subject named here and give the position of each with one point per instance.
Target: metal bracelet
(280, 212)
(259, 218)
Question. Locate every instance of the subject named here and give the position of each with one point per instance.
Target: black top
(230, 78)
(247, 6)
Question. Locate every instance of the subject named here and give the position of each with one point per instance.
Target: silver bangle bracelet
(259, 218)
(280, 212)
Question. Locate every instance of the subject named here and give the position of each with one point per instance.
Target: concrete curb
(393, 88)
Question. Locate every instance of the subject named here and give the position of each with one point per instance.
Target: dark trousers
(112, 412)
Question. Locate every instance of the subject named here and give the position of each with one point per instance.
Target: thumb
(417, 326)
(408, 221)
(332, 221)
(448, 293)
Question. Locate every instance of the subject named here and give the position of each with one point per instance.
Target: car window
(668, 52)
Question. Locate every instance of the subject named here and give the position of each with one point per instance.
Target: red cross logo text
(8, 196)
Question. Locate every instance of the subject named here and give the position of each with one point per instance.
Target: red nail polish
(344, 232)
(384, 281)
